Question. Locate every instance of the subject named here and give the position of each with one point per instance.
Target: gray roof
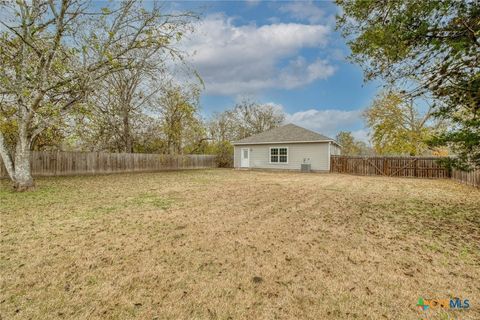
(286, 133)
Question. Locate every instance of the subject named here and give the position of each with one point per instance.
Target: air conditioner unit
(306, 167)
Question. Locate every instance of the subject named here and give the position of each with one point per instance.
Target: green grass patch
(99, 211)
(151, 200)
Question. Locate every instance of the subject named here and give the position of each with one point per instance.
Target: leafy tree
(149, 136)
(462, 137)
(347, 141)
(397, 126)
(424, 46)
(224, 154)
(54, 54)
(351, 146)
(50, 138)
(179, 117)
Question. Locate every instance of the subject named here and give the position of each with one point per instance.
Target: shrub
(224, 154)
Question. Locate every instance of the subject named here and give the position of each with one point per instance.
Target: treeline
(168, 124)
(77, 76)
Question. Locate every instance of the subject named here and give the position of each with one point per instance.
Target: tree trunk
(22, 177)
(127, 136)
(19, 169)
(169, 145)
(7, 161)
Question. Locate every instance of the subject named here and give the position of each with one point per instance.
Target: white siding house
(285, 148)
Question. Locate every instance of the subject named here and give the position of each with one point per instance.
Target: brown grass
(224, 244)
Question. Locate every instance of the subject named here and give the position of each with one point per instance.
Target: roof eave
(283, 142)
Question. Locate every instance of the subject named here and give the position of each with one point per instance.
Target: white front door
(245, 158)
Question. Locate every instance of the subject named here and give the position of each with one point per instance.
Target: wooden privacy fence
(471, 178)
(51, 163)
(420, 167)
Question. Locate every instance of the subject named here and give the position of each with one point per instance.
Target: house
(287, 148)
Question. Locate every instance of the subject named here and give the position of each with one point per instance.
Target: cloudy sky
(282, 53)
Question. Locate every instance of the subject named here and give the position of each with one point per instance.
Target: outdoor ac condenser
(306, 166)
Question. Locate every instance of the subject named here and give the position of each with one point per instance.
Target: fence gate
(421, 167)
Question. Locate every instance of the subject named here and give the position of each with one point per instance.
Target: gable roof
(287, 133)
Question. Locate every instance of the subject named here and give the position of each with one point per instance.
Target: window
(278, 155)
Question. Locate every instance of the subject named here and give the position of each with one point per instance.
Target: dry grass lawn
(225, 244)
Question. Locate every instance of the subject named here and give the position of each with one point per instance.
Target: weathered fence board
(48, 163)
(471, 178)
(420, 167)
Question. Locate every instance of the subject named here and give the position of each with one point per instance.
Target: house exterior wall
(335, 150)
(317, 153)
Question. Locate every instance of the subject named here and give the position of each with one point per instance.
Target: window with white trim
(278, 155)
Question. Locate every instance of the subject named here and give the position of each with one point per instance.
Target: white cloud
(362, 135)
(328, 122)
(299, 72)
(243, 59)
(304, 10)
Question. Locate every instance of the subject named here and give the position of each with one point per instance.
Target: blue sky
(283, 53)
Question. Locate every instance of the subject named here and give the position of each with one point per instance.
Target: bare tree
(253, 118)
(245, 119)
(117, 110)
(55, 53)
(125, 96)
(222, 126)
